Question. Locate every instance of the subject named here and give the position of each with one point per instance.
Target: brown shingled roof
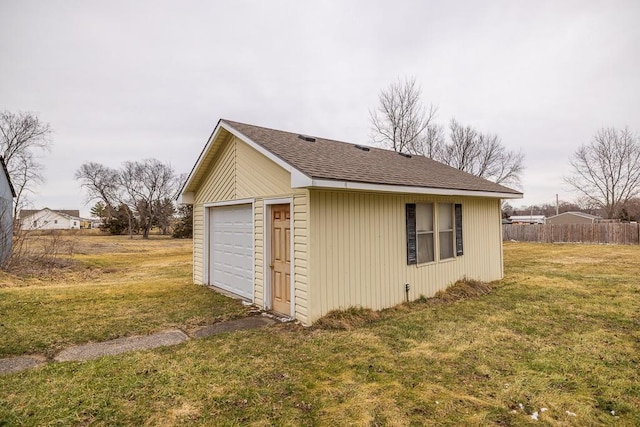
(333, 160)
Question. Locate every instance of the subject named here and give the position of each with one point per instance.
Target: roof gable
(318, 162)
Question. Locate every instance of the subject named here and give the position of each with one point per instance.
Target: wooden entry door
(281, 259)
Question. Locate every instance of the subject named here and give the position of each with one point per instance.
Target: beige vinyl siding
(258, 248)
(198, 227)
(240, 172)
(300, 255)
(237, 172)
(220, 181)
(218, 184)
(358, 248)
(258, 176)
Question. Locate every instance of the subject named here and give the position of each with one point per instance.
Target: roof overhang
(387, 188)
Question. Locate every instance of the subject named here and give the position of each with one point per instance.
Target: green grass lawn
(560, 332)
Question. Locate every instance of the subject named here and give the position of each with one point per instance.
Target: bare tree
(147, 183)
(22, 135)
(401, 122)
(607, 170)
(433, 143)
(100, 182)
(481, 154)
(142, 187)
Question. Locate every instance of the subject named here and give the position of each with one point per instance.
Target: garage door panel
(231, 249)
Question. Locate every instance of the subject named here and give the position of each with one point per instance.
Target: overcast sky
(127, 80)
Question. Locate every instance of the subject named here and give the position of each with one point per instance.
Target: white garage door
(231, 249)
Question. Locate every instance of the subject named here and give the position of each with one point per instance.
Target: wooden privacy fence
(614, 233)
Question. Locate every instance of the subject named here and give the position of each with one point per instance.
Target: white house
(49, 219)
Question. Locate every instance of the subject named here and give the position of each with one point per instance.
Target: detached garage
(301, 225)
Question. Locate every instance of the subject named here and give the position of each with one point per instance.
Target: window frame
(412, 236)
(431, 232)
(451, 231)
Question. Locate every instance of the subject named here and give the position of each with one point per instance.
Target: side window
(445, 230)
(424, 232)
(422, 224)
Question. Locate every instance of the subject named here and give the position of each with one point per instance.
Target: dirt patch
(253, 322)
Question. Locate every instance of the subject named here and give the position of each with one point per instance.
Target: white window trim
(452, 230)
(436, 234)
(432, 233)
(266, 259)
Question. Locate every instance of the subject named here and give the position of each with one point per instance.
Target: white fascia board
(327, 183)
(300, 180)
(186, 198)
(260, 149)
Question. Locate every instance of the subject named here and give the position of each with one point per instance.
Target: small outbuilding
(573, 218)
(302, 225)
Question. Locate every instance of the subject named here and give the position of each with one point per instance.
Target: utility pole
(557, 205)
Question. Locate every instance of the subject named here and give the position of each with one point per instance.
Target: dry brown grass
(462, 290)
(346, 320)
(357, 317)
(110, 287)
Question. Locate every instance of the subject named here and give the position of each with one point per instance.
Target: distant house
(527, 219)
(49, 219)
(302, 225)
(573, 218)
(7, 193)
